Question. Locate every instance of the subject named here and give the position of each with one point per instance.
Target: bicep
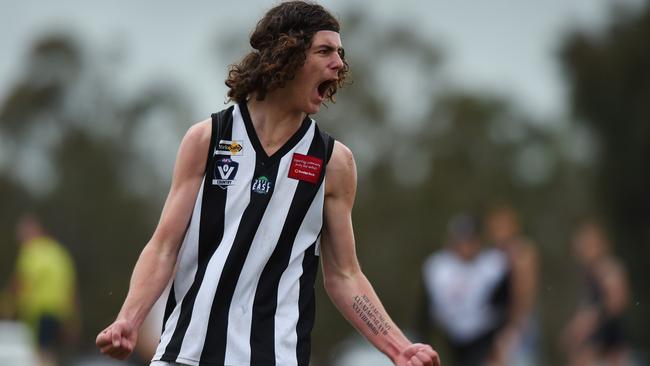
(188, 175)
(337, 242)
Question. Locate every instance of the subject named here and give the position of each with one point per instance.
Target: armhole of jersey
(219, 123)
(329, 140)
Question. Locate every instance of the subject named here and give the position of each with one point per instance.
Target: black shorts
(475, 352)
(50, 332)
(609, 335)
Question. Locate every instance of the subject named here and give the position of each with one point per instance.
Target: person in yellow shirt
(44, 288)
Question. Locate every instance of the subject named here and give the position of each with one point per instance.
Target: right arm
(155, 265)
(524, 285)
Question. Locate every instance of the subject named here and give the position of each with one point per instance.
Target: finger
(124, 353)
(103, 338)
(116, 352)
(436, 360)
(416, 361)
(428, 351)
(411, 351)
(106, 349)
(116, 336)
(424, 357)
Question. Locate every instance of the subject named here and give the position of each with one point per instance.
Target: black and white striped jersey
(467, 299)
(244, 287)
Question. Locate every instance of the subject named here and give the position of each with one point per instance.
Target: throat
(273, 126)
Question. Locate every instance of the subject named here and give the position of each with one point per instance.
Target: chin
(312, 108)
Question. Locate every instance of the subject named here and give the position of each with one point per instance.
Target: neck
(274, 111)
(273, 114)
(274, 122)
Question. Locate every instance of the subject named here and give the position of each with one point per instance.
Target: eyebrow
(327, 47)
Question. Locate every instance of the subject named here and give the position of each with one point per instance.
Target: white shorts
(164, 363)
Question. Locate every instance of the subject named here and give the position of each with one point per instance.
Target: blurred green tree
(609, 78)
(93, 164)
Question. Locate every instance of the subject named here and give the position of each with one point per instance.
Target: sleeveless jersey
(467, 299)
(244, 287)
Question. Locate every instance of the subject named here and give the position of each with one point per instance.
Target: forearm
(357, 301)
(150, 277)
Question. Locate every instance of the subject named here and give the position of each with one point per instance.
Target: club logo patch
(305, 167)
(229, 148)
(261, 185)
(225, 171)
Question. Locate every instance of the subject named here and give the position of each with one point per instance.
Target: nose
(337, 62)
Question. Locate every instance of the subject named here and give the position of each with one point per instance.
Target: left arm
(345, 283)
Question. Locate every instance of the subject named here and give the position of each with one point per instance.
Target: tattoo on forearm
(370, 315)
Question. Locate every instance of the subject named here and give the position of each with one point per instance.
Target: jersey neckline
(257, 145)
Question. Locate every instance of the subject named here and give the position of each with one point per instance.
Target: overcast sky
(503, 45)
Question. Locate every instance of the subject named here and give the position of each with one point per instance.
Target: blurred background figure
(43, 290)
(595, 334)
(466, 294)
(517, 343)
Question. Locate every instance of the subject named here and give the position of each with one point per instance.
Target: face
(502, 226)
(589, 244)
(309, 88)
(467, 248)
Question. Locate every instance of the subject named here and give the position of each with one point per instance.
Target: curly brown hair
(280, 42)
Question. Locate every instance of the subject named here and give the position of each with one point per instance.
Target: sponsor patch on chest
(229, 148)
(306, 168)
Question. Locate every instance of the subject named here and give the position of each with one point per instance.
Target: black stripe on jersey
(214, 349)
(169, 306)
(266, 296)
(210, 233)
(306, 305)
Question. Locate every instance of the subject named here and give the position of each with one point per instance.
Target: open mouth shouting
(326, 88)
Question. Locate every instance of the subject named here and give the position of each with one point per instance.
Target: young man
(595, 335)
(250, 211)
(516, 342)
(465, 293)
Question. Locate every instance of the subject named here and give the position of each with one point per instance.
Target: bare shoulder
(528, 249)
(341, 171)
(199, 133)
(342, 158)
(193, 152)
(523, 254)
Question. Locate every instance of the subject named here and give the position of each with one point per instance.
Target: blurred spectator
(516, 343)
(43, 290)
(466, 293)
(595, 335)
(16, 346)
